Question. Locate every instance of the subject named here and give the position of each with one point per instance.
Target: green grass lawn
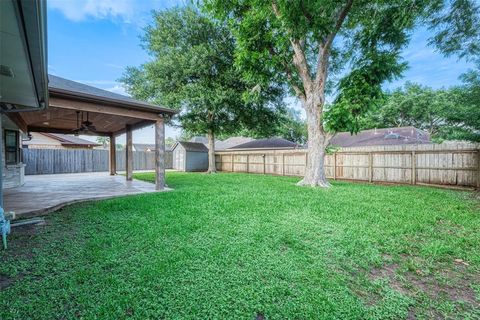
(251, 247)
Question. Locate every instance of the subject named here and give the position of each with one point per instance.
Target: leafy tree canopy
(369, 38)
(288, 125)
(191, 70)
(447, 114)
(348, 48)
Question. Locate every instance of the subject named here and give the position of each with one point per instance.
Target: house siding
(13, 174)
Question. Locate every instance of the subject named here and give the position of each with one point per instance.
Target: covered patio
(42, 194)
(75, 108)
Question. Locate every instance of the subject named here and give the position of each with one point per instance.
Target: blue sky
(92, 41)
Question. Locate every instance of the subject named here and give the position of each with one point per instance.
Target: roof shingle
(192, 146)
(270, 143)
(64, 86)
(378, 137)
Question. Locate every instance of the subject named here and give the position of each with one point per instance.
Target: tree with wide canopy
(192, 70)
(345, 48)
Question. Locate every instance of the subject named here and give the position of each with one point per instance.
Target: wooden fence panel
(446, 164)
(50, 161)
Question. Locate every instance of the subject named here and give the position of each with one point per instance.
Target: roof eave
(269, 148)
(89, 98)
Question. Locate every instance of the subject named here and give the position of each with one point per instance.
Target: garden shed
(190, 156)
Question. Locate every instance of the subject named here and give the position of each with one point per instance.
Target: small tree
(348, 47)
(104, 141)
(192, 70)
(413, 105)
(292, 127)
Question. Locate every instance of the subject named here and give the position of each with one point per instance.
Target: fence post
(264, 164)
(478, 169)
(283, 164)
(248, 167)
(414, 165)
(233, 163)
(335, 165)
(370, 167)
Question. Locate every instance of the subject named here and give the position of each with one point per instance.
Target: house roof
(378, 137)
(68, 140)
(200, 139)
(270, 143)
(58, 85)
(191, 146)
(231, 142)
(144, 146)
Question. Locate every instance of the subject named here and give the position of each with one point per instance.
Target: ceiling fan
(84, 126)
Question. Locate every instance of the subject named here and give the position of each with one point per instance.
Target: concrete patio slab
(42, 194)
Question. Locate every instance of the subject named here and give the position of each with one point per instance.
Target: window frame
(11, 149)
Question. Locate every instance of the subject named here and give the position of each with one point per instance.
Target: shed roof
(269, 143)
(58, 85)
(191, 146)
(378, 137)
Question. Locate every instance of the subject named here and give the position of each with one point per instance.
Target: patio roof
(63, 87)
(110, 113)
(76, 108)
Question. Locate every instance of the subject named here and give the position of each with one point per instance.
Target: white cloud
(78, 10)
(129, 11)
(115, 66)
(118, 89)
(108, 85)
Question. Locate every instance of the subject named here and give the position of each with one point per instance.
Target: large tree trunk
(312, 95)
(212, 168)
(318, 140)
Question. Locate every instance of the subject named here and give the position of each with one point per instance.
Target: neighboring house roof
(149, 147)
(144, 147)
(231, 142)
(191, 146)
(64, 86)
(200, 139)
(378, 137)
(271, 143)
(63, 139)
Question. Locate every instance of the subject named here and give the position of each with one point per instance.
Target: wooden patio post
(113, 156)
(129, 153)
(159, 154)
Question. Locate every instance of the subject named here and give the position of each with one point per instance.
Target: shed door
(179, 159)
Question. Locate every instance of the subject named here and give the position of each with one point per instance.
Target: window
(11, 147)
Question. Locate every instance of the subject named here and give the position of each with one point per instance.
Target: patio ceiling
(63, 119)
(109, 114)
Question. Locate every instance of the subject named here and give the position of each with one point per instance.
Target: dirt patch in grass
(20, 247)
(6, 281)
(447, 283)
(20, 244)
(259, 316)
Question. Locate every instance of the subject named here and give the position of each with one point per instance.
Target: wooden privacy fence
(50, 161)
(417, 164)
